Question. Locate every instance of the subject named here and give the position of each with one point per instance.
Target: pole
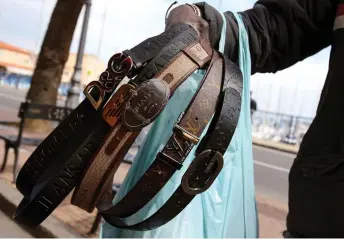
(74, 91)
(102, 29)
(220, 5)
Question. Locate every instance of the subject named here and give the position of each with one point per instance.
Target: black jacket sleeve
(281, 32)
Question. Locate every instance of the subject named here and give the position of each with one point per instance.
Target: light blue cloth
(227, 208)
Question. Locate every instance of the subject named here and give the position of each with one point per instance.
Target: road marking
(267, 165)
(8, 109)
(22, 98)
(11, 97)
(25, 150)
(275, 151)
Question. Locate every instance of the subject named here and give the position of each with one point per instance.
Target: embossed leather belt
(104, 126)
(64, 139)
(204, 169)
(201, 173)
(142, 108)
(55, 167)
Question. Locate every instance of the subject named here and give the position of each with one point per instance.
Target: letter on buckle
(186, 134)
(94, 84)
(170, 161)
(202, 170)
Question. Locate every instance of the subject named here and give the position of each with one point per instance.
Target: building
(17, 66)
(92, 67)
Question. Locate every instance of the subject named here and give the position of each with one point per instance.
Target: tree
(52, 58)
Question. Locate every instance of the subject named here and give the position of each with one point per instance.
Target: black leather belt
(201, 173)
(106, 161)
(56, 166)
(64, 139)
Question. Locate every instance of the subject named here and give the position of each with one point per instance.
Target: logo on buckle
(146, 103)
(119, 66)
(114, 107)
(202, 172)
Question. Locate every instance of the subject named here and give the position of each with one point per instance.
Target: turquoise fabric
(227, 208)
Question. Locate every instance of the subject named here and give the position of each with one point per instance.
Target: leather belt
(178, 147)
(67, 136)
(125, 129)
(53, 170)
(186, 132)
(132, 107)
(202, 171)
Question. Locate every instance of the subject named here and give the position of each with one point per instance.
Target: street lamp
(74, 90)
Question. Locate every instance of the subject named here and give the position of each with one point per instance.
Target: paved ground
(271, 188)
(271, 172)
(8, 228)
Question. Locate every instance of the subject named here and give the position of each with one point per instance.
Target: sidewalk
(78, 222)
(293, 149)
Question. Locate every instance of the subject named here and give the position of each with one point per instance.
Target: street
(271, 170)
(8, 228)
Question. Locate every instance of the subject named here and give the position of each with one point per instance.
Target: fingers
(179, 15)
(186, 14)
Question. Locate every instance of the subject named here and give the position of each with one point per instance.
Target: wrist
(196, 9)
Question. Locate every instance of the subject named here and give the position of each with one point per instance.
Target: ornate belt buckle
(118, 67)
(185, 134)
(202, 172)
(114, 107)
(145, 104)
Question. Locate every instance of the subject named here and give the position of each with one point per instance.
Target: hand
(185, 14)
(209, 25)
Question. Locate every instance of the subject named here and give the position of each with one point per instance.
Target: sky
(118, 25)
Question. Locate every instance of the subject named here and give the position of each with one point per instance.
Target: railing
(277, 127)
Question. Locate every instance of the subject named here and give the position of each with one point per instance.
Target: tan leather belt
(133, 107)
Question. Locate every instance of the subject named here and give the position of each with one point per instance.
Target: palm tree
(52, 58)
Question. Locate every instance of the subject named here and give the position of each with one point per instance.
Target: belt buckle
(114, 107)
(169, 161)
(204, 168)
(118, 67)
(180, 131)
(185, 134)
(146, 104)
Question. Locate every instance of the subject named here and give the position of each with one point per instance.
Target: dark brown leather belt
(132, 107)
(187, 131)
(170, 159)
(201, 173)
(63, 141)
(107, 160)
(56, 166)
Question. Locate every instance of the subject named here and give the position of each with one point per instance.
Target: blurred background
(51, 49)
(286, 101)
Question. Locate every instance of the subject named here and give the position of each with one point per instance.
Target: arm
(281, 32)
